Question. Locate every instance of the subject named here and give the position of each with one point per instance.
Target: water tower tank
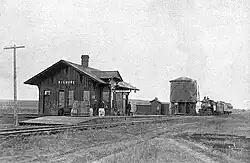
(183, 89)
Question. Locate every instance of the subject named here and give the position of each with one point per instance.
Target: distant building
(154, 107)
(66, 84)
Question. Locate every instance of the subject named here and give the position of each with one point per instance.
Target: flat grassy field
(26, 109)
(24, 106)
(185, 139)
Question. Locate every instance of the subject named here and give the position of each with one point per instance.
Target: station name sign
(66, 82)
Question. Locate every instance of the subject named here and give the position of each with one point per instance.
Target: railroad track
(56, 129)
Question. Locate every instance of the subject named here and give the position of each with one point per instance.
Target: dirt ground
(185, 139)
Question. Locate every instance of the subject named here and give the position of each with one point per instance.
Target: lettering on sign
(66, 82)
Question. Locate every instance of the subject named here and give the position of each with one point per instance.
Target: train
(185, 100)
(211, 107)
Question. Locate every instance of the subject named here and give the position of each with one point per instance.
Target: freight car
(210, 107)
(224, 108)
(228, 108)
(220, 105)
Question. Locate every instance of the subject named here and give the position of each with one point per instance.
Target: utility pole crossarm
(14, 47)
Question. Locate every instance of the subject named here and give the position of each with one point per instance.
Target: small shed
(165, 108)
(154, 107)
(143, 109)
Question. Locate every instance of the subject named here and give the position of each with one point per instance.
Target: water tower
(183, 96)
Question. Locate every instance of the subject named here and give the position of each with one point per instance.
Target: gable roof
(98, 73)
(126, 86)
(95, 74)
(155, 99)
(87, 71)
(107, 74)
(61, 64)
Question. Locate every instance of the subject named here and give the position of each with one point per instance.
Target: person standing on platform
(102, 104)
(129, 109)
(102, 109)
(95, 108)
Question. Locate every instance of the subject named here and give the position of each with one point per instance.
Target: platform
(57, 120)
(68, 120)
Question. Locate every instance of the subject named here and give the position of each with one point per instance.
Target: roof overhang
(183, 79)
(125, 86)
(106, 75)
(35, 80)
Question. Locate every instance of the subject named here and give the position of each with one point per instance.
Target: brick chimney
(85, 60)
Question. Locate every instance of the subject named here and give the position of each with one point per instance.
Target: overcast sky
(149, 41)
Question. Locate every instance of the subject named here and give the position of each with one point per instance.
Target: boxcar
(228, 108)
(220, 107)
(223, 108)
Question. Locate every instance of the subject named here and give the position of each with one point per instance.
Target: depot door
(46, 105)
(61, 102)
(69, 102)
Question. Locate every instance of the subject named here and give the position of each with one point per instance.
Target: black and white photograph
(124, 81)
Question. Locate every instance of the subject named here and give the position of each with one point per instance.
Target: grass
(47, 147)
(227, 135)
(24, 107)
(220, 136)
(25, 110)
(137, 143)
(6, 120)
(10, 110)
(147, 151)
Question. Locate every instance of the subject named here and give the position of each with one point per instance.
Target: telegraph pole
(15, 83)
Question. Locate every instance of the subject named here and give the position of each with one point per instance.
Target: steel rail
(43, 129)
(31, 128)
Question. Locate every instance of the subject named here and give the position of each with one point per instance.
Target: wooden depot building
(66, 85)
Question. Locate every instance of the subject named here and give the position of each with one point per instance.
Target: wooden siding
(143, 110)
(40, 107)
(183, 92)
(165, 109)
(154, 106)
(151, 109)
(69, 79)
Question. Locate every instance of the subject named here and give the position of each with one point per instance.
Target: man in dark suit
(129, 109)
(95, 108)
